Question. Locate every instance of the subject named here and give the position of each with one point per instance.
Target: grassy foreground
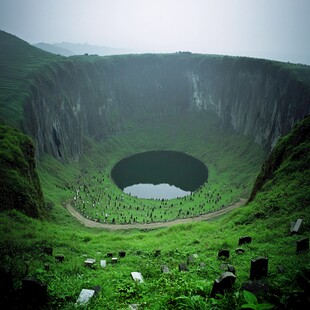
(267, 220)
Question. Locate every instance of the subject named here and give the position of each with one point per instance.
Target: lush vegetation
(19, 61)
(20, 186)
(267, 219)
(28, 246)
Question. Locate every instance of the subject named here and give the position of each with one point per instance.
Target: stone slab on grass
(137, 276)
(85, 296)
(103, 263)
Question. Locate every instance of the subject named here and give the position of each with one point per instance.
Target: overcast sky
(274, 29)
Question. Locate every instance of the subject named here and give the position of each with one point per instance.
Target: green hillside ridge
(18, 62)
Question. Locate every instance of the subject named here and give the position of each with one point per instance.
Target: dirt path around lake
(205, 217)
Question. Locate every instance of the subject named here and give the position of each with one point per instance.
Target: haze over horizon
(272, 29)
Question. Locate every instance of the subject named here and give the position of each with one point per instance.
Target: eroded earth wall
(95, 96)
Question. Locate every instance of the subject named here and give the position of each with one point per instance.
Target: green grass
(233, 161)
(19, 183)
(19, 61)
(23, 240)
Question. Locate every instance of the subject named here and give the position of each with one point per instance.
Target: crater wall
(93, 97)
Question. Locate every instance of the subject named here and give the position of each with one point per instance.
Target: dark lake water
(159, 174)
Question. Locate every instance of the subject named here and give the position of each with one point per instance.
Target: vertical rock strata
(94, 97)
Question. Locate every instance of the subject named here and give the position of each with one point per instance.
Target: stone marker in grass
(89, 262)
(85, 296)
(296, 226)
(122, 254)
(240, 251)
(259, 268)
(103, 263)
(223, 253)
(191, 258)
(244, 240)
(302, 245)
(183, 267)
(114, 260)
(137, 276)
(224, 282)
(164, 269)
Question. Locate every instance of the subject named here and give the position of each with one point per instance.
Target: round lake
(159, 174)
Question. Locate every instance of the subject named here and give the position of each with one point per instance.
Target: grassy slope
(20, 186)
(18, 61)
(268, 227)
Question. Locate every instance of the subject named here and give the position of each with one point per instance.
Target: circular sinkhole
(159, 174)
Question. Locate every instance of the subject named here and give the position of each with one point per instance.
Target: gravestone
(296, 226)
(122, 254)
(183, 267)
(239, 251)
(85, 296)
(259, 268)
(34, 291)
(134, 306)
(103, 263)
(223, 253)
(114, 260)
(164, 269)
(60, 258)
(191, 258)
(244, 240)
(224, 282)
(137, 276)
(109, 255)
(302, 245)
(89, 262)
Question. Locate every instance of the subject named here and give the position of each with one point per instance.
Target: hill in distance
(71, 49)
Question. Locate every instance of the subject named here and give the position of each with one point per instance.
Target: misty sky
(274, 29)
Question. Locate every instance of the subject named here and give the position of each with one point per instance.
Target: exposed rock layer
(94, 97)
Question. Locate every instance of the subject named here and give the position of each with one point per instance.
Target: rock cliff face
(94, 97)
